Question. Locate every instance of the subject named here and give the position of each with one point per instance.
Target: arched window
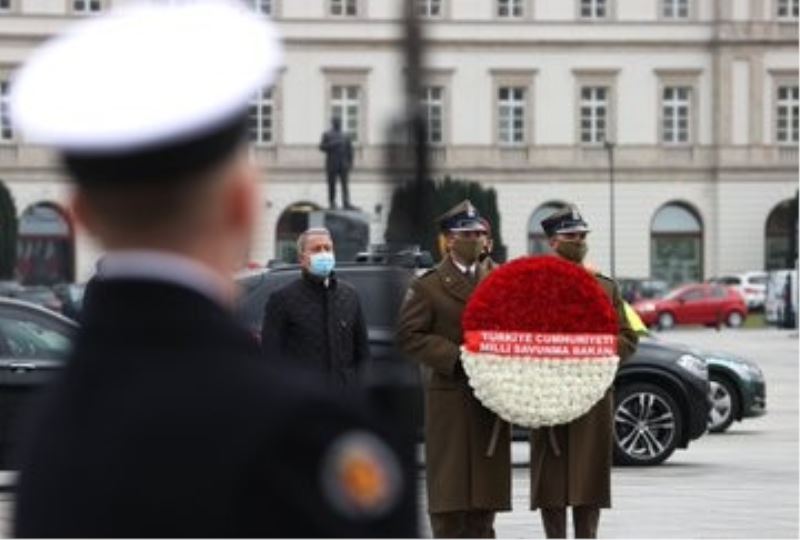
(676, 244)
(537, 240)
(45, 246)
(293, 221)
(780, 224)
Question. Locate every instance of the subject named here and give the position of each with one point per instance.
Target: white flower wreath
(535, 392)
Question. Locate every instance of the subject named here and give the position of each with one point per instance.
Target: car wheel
(724, 403)
(734, 319)
(647, 425)
(666, 320)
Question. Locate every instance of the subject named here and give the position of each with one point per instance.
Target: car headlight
(754, 371)
(694, 365)
(647, 307)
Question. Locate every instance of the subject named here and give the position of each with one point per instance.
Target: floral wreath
(540, 341)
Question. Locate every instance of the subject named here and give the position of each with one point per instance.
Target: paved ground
(740, 484)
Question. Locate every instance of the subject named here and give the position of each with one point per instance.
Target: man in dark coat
(338, 160)
(467, 447)
(165, 421)
(316, 321)
(571, 463)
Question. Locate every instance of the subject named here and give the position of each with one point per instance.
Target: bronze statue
(338, 150)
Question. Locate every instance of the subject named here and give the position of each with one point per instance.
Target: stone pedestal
(349, 229)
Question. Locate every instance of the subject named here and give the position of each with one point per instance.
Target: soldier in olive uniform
(571, 463)
(467, 447)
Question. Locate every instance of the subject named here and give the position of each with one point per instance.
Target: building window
(676, 249)
(345, 104)
(429, 8)
(675, 9)
(781, 221)
(787, 115)
(675, 114)
(594, 9)
(509, 8)
(261, 120)
(788, 9)
(6, 133)
(594, 114)
(5, 6)
(344, 8)
(263, 7)
(87, 6)
(433, 109)
(45, 245)
(511, 115)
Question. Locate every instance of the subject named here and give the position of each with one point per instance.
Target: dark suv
(661, 392)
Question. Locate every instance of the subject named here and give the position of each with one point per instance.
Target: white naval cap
(147, 84)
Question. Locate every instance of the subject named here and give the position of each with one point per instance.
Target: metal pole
(610, 147)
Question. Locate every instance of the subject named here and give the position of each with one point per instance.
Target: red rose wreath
(540, 341)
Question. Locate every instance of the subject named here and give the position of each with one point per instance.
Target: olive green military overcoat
(458, 428)
(581, 473)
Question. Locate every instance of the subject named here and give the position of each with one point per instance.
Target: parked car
(661, 394)
(751, 285)
(775, 303)
(635, 289)
(697, 303)
(737, 388)
(33, 344)
(36, 294)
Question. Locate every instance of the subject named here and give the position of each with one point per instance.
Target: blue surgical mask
(322, 264)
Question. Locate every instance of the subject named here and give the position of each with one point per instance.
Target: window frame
(425, 13)
(426, 103)
(610, 10)
(88, 12)
(689, 78)
(783, 81)
(593, 77)
(349, 77)
(691, 11)
(526, 8)
(792, 6)
(13, 7)
(6, 73)
(255, 5)
(259, 102)
(519, 78)
(360, 8)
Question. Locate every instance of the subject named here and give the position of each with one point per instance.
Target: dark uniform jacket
(458, 428)
(581, 474)
(166, 422)
(317, 327)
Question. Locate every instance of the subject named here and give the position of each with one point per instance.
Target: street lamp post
(610, 148)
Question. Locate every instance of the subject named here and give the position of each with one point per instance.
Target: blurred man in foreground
(165, 421)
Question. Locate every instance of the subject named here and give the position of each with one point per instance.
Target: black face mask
(572, 250)
(467, 249)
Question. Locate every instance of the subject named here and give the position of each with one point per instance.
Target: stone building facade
(698, 97)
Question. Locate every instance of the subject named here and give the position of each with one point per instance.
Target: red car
(697, 303)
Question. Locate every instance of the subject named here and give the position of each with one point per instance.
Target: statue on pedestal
(338, 150)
